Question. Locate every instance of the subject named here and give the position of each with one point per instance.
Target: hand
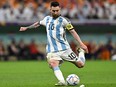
(23, 28)
(84, 47)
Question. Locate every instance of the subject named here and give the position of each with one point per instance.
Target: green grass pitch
(38, 74)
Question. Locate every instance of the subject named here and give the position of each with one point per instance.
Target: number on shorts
(72, 55)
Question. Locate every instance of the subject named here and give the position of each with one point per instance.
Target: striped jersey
(56, 38)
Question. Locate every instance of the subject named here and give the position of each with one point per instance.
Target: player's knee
(80, 64)
(53, 64)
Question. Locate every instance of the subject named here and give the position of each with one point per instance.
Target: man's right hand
(23, 28)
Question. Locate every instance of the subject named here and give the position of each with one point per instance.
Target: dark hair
(54, 4)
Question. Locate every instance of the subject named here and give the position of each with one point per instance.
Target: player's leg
(70, 56)
(54, 61)
(81, 58)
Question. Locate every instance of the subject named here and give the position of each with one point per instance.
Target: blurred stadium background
(94, 21)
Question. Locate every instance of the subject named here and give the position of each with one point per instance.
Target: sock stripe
(82, 59)
(56, 68)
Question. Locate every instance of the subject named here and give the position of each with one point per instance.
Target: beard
(55, 15)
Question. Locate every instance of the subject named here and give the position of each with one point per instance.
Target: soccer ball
(72, 79)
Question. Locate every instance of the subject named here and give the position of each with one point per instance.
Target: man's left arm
(76, 36)
(71, 29)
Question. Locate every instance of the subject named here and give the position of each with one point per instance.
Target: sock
(82, 57)
(58, 74)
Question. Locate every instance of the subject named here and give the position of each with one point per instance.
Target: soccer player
(58, 48)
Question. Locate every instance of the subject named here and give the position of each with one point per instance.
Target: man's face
(55, 11)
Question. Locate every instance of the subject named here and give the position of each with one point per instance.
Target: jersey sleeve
(43, 22)
(68, 25)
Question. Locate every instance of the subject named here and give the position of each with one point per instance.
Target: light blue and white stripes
(56, 40)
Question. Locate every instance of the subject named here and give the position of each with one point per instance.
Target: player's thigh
(69, 55)
(54, 59)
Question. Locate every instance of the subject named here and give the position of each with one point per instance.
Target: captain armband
(69, 27)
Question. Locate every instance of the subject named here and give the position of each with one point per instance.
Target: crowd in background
(20, 50)
(32, 51)
(12, 10)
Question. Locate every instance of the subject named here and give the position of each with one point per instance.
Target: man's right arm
(35, 25)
